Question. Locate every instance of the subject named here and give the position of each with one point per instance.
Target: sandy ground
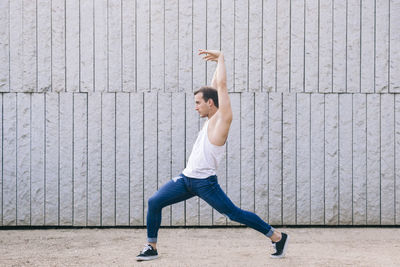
(200, 247)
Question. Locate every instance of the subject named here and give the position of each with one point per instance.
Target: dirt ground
(200, 247)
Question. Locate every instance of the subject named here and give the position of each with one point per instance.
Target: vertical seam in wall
(87, 157)
(394, 166)
(157, 146)
(319, 36)
(310, 152)
(9, 57)
(122, 46)
(206, 25)
(248, 43)
(108, 47)
(30, 159)
(304, 46)
(184, 147)
(115, 158)
(129, 158)
(2, 157)
(51, 45)
(36, 54)
(268, 103)
(254, 152)
(375, 46)
(290, 45)
(79, 83)
(149, 40)
(178, 76)
(16, 158)
(234, 46)
(380, 158)
(240, 150)
(94, 46)
(366, 158)
(339, 153)
(360, 45)
(170, 145)
(276, 44)
(332, 40)
(58, 160)
(324, 154)
(262, 46)
(73, 157)
(44, 158)
(352, 159)
(338, 159)
(143, 136)
(101, 158)
(347, 19)
(389, 50)
(65, 46)
(136, 23)
(163, 50)
(295, 160)
(281, 157)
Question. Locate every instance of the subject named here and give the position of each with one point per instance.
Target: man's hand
(210, 55)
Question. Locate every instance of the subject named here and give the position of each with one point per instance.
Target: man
(199, 177)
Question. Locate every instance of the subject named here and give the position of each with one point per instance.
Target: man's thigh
(172, 192)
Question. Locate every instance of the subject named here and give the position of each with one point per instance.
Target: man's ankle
(154, 245)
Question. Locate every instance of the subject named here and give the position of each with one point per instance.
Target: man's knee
(153, 203)
(234, 215)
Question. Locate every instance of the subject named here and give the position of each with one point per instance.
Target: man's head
(206, 99)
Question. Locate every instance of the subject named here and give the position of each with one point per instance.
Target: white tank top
(204, 159)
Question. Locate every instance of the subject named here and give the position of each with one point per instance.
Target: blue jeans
(181, 188)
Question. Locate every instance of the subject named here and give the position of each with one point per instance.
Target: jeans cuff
(270, 232)
(152, 239)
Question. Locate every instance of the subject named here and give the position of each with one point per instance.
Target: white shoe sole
(283, 251)
(149, 258)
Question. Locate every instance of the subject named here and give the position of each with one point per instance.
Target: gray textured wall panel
(178, 158)
(65, 163)
(261, 177)
(80, 162)
(94, 159)
(373, 159)
(72, 43)
(53, 165)
(164, 138)
(136, 160)
(303, 156)
(4, 46)
(233, 155)
(108, 177)
(331, 159)
(122, 159)
(317, 159)
(387, 159)
(23, 158)
(345, 159)
(359, 159)
(275, 157)
(9, 159)
(289, 159)
(58, 46)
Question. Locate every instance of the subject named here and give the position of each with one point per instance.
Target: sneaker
(280, 246)
(148, 253)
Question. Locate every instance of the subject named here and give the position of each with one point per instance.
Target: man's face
(202, 107)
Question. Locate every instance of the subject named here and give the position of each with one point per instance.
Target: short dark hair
(208, 92)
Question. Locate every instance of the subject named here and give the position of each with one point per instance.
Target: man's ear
(210, 102)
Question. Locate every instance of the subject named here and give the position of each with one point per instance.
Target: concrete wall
(97, 109)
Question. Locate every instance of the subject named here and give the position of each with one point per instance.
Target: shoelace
(146, 248)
